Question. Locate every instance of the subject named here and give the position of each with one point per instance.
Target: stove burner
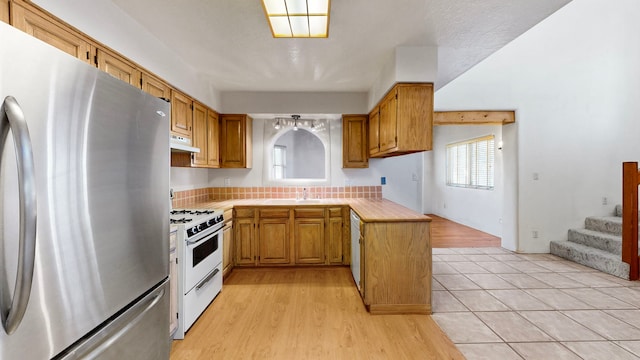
(180, 221)
(176, 212)
(200, 212)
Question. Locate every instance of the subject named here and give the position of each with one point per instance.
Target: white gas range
(199, 247)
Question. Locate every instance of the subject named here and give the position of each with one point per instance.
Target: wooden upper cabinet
(118, 67)
(235, 141)
(154, 86)
(355, 151)
(45, 27)
(200, 135)
(181, 115)
(388, 122)
(405, 121)
(4, 11)
(213, 148)
(374, 131)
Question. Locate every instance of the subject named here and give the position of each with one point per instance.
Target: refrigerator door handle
(12, 118)
(92, 347)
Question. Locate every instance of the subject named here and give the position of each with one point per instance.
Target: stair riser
(602, 243)
(595, 261)
(604, 226)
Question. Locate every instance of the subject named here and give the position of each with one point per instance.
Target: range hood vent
(182, 144)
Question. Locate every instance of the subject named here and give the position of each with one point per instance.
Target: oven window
(205, 249)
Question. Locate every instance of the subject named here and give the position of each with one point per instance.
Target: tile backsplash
(182, 198)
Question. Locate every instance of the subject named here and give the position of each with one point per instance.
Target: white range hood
(182, 144)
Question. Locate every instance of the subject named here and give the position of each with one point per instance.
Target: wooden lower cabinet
(227, 248)
(309, 241)
(308, 235)
(273, 240)
(243, 231)
(396, 267)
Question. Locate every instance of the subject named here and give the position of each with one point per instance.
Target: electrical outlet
(605, 201)
(534, 234)
(227, 182)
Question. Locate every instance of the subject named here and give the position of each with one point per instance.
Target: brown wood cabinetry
(309, 236)
(355, 151)
(235, 141)
(200, 135)
(43, 26)
(274, 237)
(396, 267)
(405, 121)
(244, 238)
(213, 146)
(374, 131)
(4, 11)
(118, 67)
(181, 114)
(227, 243)
(154, 86)
(336, 237)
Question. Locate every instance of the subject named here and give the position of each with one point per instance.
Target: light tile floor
(495, 304)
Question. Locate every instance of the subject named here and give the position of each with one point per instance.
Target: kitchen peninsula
(395, 245)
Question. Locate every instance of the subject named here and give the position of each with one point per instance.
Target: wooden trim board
(474, 117)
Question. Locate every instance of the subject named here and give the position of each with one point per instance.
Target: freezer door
(101, 159)
(139, 333)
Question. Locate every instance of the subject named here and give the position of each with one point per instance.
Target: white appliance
(84, 232)
(355, 248)
(199, 246)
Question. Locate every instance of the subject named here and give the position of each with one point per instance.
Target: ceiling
(229, 41)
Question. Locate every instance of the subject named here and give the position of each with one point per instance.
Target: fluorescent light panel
(298, 18)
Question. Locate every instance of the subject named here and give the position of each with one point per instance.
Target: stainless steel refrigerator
(84, 180)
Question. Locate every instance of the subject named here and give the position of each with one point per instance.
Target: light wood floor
(305, 313)
(448, 234)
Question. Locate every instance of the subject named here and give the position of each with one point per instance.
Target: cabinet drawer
(335, 212)
(244, 213)
(274, 213)
(309, 213)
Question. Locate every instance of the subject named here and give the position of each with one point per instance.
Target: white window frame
(280, 169)
(471, 163)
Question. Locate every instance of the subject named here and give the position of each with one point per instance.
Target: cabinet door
(173, 292)
(374, 131)
(200, 134)
(118, 67)
(4, 11)
(40, 25)
(181, 116)
(336, 237)
(213, 148)
(274, 241)
(235, 141)
(355, 152)
(227, 248)
(309, 241)
(388, 122)
(156, 87)
(244, 239)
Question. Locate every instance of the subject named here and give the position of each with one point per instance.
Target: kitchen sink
(292, 201)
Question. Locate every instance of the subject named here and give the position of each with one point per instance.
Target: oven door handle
(207, 279)
(193, 242)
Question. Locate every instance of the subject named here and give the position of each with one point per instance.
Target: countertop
(369, 210)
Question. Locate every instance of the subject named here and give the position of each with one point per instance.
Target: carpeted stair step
(598, 240)
(605, 224)
(591, 257)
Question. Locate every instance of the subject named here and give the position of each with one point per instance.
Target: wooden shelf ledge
(501, 117)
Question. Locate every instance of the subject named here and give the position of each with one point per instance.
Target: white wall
(573, 82)
(248, 102)
(478, 208)
(107, 23)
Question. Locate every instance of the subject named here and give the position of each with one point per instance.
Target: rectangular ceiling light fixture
(298, 18)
